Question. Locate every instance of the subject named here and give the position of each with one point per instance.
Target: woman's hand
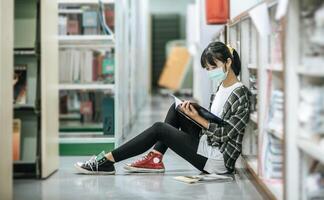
(189, 110)
(193, 113)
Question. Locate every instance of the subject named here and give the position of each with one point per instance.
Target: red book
(110, 17)
(73, 27)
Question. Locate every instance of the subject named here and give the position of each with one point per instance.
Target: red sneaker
(150, 163)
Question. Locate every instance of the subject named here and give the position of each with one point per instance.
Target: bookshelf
(262, 72)
(34, 103)
(6, 119)
(304, 61)
(81, 129)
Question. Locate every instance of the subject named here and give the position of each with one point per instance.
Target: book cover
(16, 139)
(20, 84)
(201, 111)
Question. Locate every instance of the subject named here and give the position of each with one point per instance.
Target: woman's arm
(236, 123)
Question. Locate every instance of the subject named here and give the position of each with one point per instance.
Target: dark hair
(219, 51)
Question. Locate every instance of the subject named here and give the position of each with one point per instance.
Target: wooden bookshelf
(272, 190)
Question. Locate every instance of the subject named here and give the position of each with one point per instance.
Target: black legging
(163, 135)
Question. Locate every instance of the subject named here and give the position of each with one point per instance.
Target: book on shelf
(74, 24)
(16, 139)
(108, 115)
(88, 107)
(86, 66)
(110, 16)
(102, 20)
(315, 185)
(62, 20)
(20, 84)
(29, 121)
(272, 157)
(90, 22)
(311, 109)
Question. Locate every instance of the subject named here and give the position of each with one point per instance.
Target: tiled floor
(66, 184)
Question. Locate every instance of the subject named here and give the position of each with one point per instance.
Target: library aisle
(79, 77)
(66, 184)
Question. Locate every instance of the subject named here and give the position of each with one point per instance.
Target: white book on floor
(204, 178)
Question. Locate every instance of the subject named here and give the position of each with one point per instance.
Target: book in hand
(203, 112)
(204, 178)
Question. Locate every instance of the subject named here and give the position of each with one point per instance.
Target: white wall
(237, 6)
(132, 62)
(171, 6)
(202, 86)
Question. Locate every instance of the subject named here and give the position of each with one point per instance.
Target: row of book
(272, 149)
(312, 40)
(314, 183)
(272, 159)
(276, 111)
(86, 66)
(88, 107)
(311, 109)
(88, 21)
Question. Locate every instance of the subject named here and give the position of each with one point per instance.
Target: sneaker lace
(143, 158)
(91, 162)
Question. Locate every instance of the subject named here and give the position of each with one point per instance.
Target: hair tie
(231, 50)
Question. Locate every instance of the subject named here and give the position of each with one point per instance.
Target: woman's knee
(158, 125)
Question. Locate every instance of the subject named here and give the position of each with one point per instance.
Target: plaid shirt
(229, 137)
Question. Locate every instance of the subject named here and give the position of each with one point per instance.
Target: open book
(204, 178)
(203, 112)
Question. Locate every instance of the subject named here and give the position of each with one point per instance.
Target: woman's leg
(177, 120)
(180, 142)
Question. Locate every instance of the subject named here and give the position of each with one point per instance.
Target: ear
(228, 63)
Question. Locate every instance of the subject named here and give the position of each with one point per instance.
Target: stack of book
(276, 110)
(311, 109)
(87, 108)
(273, 158)
(87, 21)
(85, 66)
(315, 186)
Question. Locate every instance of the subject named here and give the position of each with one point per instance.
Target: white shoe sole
(83, 171)
(142, 170)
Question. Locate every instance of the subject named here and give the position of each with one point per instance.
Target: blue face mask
(217, 74)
